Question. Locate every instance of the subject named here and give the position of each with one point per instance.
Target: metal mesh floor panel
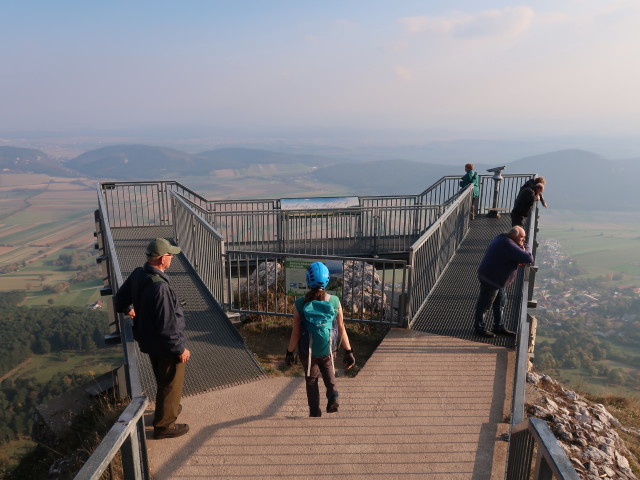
(219, 357)
(450, 307)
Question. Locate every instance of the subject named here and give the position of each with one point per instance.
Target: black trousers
(319, 366)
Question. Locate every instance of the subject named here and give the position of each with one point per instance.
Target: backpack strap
(155, 278)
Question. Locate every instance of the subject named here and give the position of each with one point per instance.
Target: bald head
(517, 234)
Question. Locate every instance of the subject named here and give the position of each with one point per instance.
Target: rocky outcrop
(586, 430)
(363, 290)
(361, 286)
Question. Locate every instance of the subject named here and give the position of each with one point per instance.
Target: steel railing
(201, 245)
(257, 285)
(431, 253)
(364, 230)
(531, 436)
(141, 204)
(127, 435)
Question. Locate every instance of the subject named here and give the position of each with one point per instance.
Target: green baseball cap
(161, 246)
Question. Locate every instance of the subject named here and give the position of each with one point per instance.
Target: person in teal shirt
(471, 177)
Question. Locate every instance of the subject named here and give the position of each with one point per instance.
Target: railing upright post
(543, 470)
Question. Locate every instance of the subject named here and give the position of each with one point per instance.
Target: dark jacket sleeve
(170, 319)
(518, 255)
(123, 298)
(524, 202)
(465, 180)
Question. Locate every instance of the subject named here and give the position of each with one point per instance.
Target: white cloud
(509, 22)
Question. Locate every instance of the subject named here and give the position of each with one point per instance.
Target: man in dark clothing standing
(524, 204)
(159, 330)
(496, 272)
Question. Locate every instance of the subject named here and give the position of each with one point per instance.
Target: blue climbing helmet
(317, 275)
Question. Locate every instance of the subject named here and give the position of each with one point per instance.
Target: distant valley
(577, 179)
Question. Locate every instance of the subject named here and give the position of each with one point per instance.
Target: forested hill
(29, 160)
(132, 162)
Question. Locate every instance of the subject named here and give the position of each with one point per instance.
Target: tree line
(28, 331)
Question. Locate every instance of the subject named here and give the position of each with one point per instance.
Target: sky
(546, 67)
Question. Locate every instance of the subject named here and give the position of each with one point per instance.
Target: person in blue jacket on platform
(497, 270)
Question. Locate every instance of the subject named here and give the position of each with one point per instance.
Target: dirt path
(14, 370)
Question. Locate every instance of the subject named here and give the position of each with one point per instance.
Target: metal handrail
(117, 438)
(427, 256)
(551, 460)
(522, 358)
(531, 434)
(201, 245)
(127, 435)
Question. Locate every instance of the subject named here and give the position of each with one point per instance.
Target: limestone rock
(585, 430)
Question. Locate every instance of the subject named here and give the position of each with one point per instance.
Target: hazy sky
(542, 67)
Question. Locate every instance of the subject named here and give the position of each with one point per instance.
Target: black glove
(349, 360)
(289, 358)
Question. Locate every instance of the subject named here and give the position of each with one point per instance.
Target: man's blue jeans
(489, 296)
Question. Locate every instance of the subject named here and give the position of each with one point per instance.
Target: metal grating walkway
(219, 357)
(450, 307)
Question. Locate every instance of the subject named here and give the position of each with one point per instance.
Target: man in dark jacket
(496, 272)
(159, 330)
(524, 204)
(531, 183)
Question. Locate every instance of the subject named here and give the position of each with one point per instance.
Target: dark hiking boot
(178, 430)
(485, 333)
(503, 331)
(315, 413)
(332, 405)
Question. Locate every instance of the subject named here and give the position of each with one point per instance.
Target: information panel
(326, 203)
(296, 275)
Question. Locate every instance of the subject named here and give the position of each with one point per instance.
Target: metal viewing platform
(434, 401)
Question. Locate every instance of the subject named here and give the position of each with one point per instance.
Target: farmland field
(44, 367)
(41, 218)
(600, 242)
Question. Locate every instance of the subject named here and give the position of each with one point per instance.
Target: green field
(581, 381)
(13, 452)
(600, 242)
(44, 367)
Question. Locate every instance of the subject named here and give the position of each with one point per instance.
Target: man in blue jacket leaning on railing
(497, 271)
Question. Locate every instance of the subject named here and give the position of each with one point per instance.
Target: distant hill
(133, 162)
(223, 158)
(576, 179)
(30, 160)
(582, 180)
(384, 177)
